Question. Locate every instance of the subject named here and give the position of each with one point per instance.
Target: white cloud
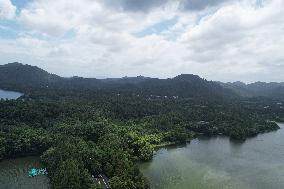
(240, 41)
(236, 40)
(7, 9)
(56, 17)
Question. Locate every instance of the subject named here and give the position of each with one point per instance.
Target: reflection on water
(9, 94)
(219, 163)
(14, 174)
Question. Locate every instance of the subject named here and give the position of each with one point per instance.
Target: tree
(2, 146)
(71, 174)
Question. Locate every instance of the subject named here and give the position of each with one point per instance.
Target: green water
(14, 174)
(218, 163)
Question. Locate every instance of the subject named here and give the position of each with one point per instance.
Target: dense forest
(82, 128)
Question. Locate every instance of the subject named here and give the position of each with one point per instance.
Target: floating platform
(36, 172)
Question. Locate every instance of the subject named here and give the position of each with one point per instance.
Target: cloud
(235, 40)
(136, 5)
(56, 17)
(239, 41)
(7, 9)
(148, 5)
(197, 5)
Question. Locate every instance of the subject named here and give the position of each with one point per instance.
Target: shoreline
(169, 144)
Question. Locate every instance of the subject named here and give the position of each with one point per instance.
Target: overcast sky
(224, 40)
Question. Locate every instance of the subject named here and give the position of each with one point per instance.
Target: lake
(219, 163)
(9, 94)
(14, 174)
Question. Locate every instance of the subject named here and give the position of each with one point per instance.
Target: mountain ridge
(263, 89)
(22, 77)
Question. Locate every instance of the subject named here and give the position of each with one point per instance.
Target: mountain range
(25, 78)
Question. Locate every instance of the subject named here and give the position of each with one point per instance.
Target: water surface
(9, 94)
(14, 174)
(219, 163)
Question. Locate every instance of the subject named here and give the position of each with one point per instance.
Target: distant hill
(22, 77)
(257, 89)
(17, 76)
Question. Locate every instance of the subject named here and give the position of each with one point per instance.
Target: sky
(224, 40)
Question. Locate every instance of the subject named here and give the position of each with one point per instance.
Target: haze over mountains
(17, 76)
(272, 89)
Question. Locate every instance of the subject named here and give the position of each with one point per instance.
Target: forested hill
(257, 89)
(19, 75)
(26, 78)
